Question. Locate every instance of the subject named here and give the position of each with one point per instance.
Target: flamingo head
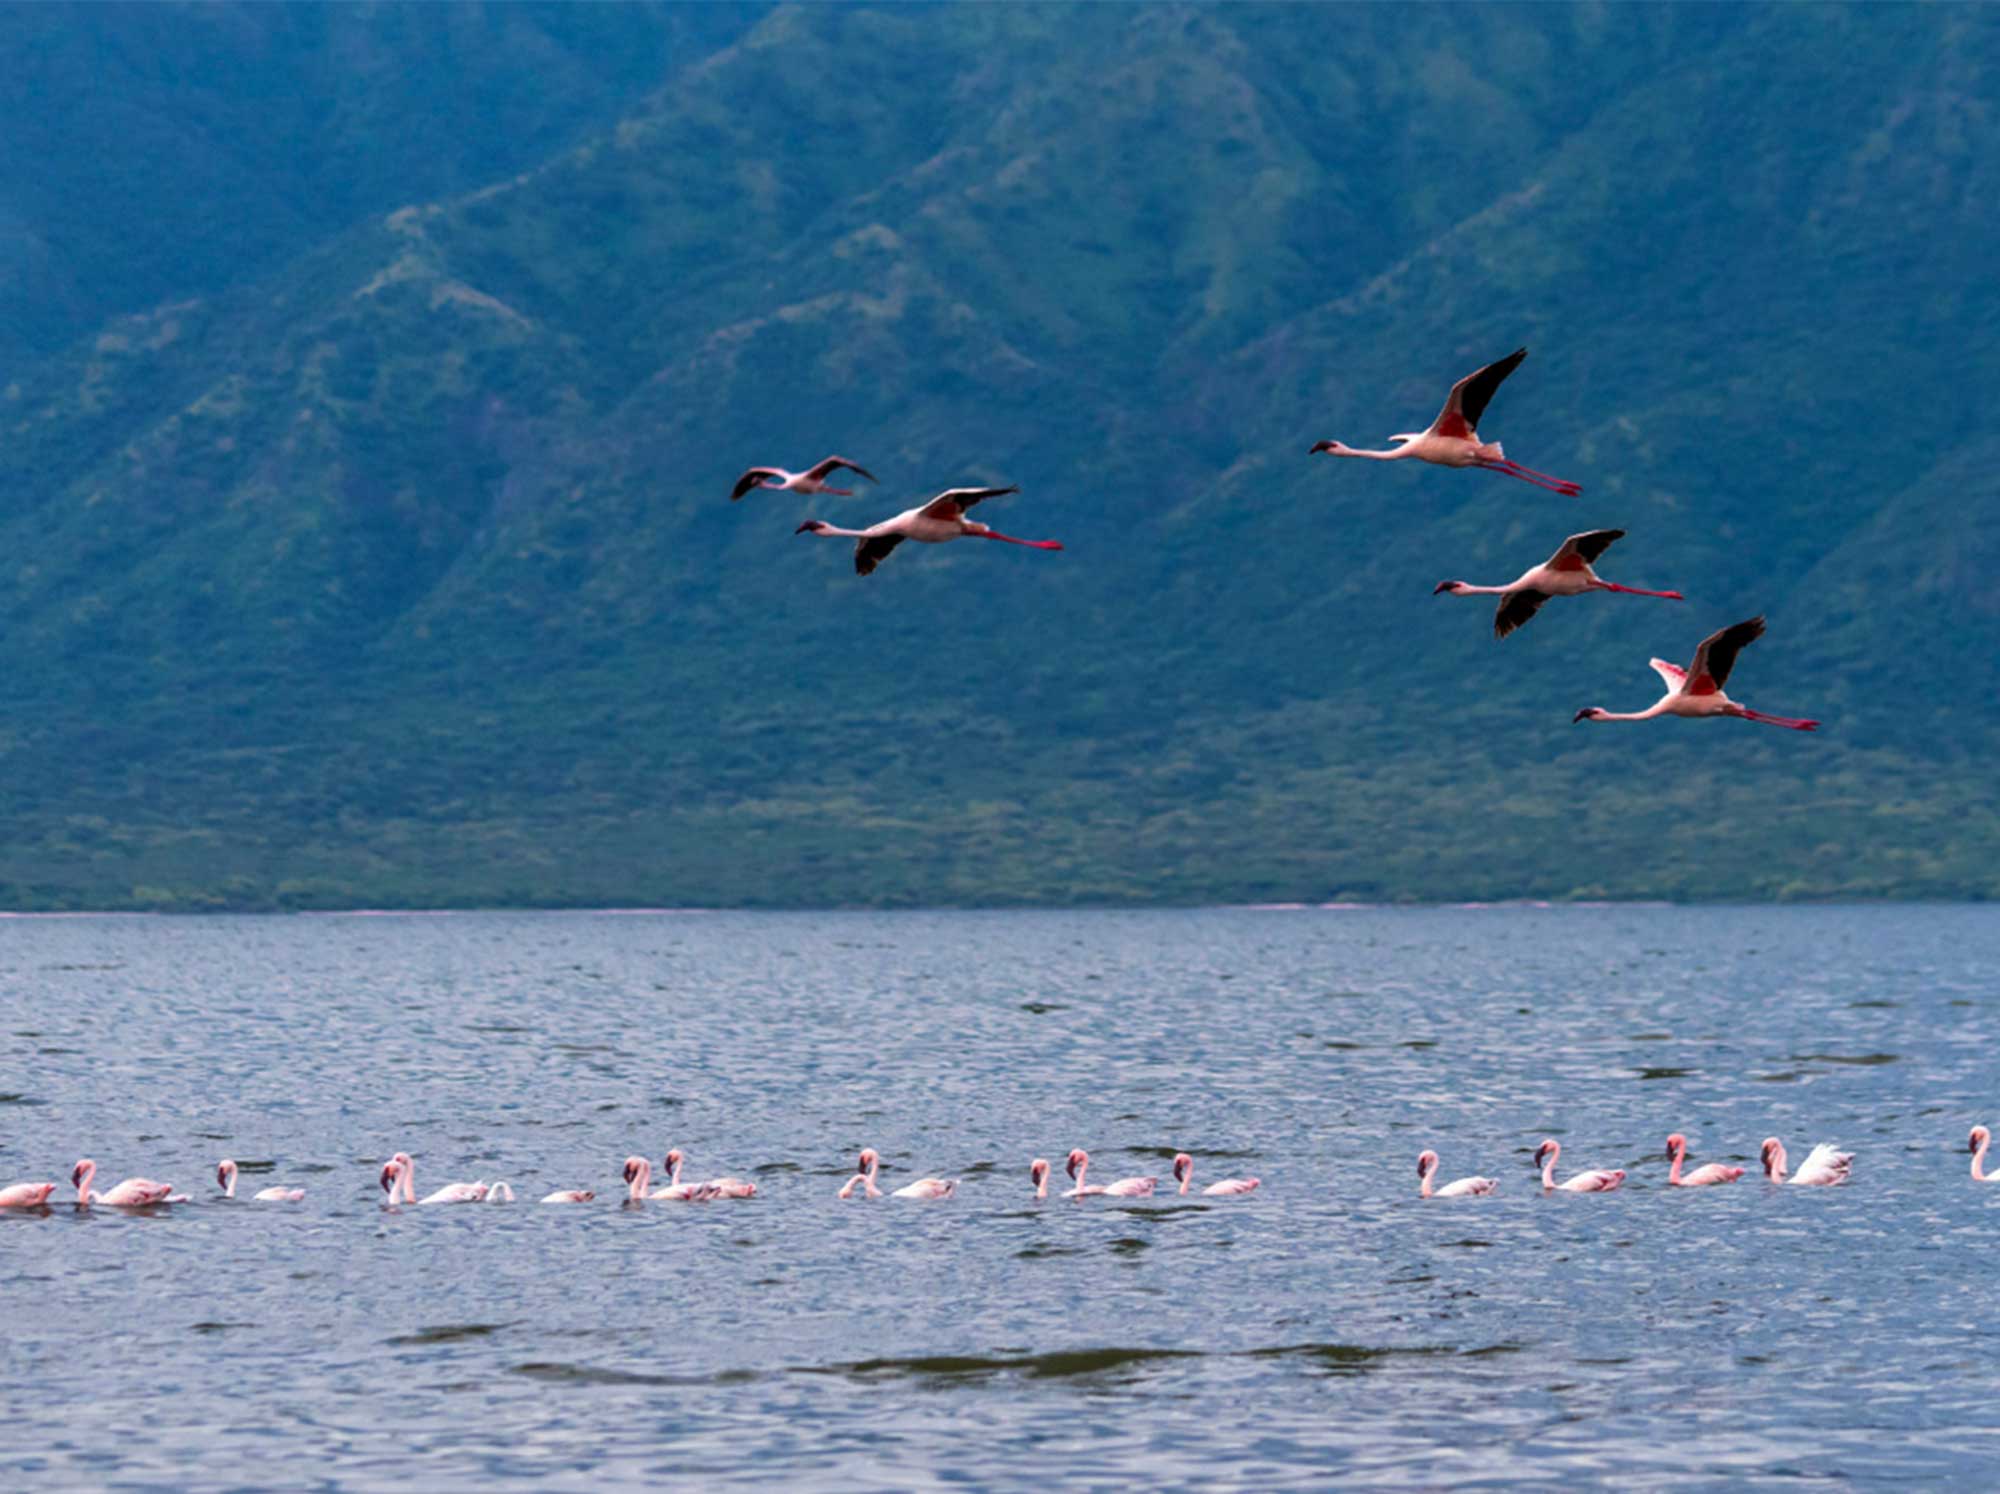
(1677, 1145)
(1078, 1160)
(1038, 1171)
(225, 1170)
(870, 1159)
(1427, 1163)
(83, 1170)
(1333, 446)
(1978, 1139)
(392, 1170)
(1589, 713)
(1183, 1166)
(812, 526)
(1546, 1152)
(675, 1158)
(1772, 1153)
(1454, 587)
(634, 1166)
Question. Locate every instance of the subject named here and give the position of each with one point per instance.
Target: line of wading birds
(1823, 1167)
(1451, 441)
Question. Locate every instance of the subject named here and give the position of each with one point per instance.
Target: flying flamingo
(1697, 690)
(1227, 1188)
(1038, 1174)
(35, 1195)
(132, 1193)
(932, 523)
(812, 480)
(1566, 573)
(724, 1187)
(1079, 1165)
(1701, 1177)
(1427, 1170)
(1451, 442)
(639, 1186)
(1823, 1167)
(225, 1177)
(1976, 1144)
(399, 1173)
(1603, 1180)
(863, 1182)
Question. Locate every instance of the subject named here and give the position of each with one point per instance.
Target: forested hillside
(382, 552)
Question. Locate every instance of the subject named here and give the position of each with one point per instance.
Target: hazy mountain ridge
(406, 572)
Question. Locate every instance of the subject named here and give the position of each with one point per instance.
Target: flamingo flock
(1824, 1166)
(1451, 440)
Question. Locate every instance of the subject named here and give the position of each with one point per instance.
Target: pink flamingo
(1823, 1167)
(812, 480)
(639, 1180)
(1976, 1144)
(932, 523)
(1452, 441)
(399, 1173)
(132, 1193)
(225, 1177)
(1701, 1177)
(1078, 1168)
(863, 1182)
(1038, 1174)
(570, 1196)
(1227, 1188)
(724, 1187)
(1697, 690)
(1427, 1170)
(1566, 573)
(26, 1195)
(1603, 1180)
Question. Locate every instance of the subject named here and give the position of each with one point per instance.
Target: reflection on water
(1328, 1325)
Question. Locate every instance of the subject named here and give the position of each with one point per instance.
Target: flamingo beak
(1319, 446)
(807, 527)
(1582, 715)
(1443, 586)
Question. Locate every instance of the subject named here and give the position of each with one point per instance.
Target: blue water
(1329, 1325)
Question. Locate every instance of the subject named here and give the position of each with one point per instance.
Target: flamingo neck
(833, 532)
(1407, 449)
(1429, 1175)
(229, 1182)
(1979, 1164)
(674, 1165)
(408, 1175)
(1482, 591)
(1674, 1174)
(83, 1183)
(1549, 1168)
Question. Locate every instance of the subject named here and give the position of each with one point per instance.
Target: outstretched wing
(1516, 608)
(751, 479)
(953, 503)
(1673, 674)
(1467, 401)
(871, 550)
(1717, 656)
(818, 470)
(1580, 550)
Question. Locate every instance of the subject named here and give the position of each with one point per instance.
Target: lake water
(1330, 1325)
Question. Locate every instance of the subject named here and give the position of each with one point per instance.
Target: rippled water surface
(1329, 1325)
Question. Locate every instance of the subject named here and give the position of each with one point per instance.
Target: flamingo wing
(1515, 609)
(1673, 674)
(871, 550)
(751, 478)
(1717, 656)
(819, 471)
(1580, 550)
(1231, 1188)
(1468, 398)
(955, 503)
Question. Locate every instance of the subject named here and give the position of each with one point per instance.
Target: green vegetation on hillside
(389, 560)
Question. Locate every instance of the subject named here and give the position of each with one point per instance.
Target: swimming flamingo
(1079, 1165)
(724, 1187)
(1427, 1169)
(28, 1195)
(1976, 1145)
(932, 523)
(1038, 1174)
(1227, 1188)
(1451, 442)
(639, 1179)
(497, 1193)
(400, 1173)
(132, 1193)
(1697, 690)
(1603, 1180)
(812, 480)
(1823, 1167)
(1701, 1177)
(225, 1177)
(863, 1182)
(1566, 573)
(570, 1196)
